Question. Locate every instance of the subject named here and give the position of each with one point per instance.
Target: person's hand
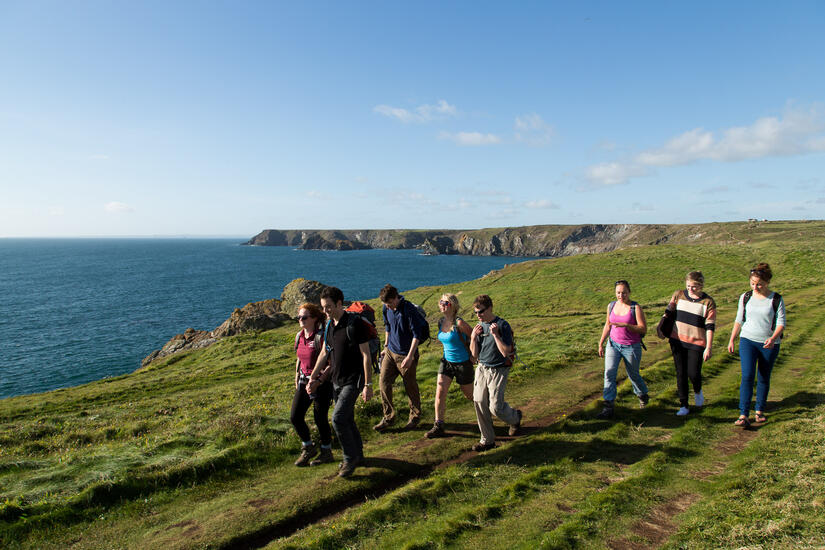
(731, 347)
(620, 325)
(312, 386)
(477, 330)
(366, 395)
(769, 343)
(494, 329)
(601, 349)
(405, 364)
(707, 354)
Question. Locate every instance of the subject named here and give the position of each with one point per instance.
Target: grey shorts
(460, 372)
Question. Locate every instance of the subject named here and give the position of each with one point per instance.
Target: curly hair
(315, 312)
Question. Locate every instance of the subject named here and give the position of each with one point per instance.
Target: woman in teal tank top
(454, 334)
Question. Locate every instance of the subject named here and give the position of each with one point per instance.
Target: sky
(226, 118)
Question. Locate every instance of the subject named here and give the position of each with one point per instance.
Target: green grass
(195, 450)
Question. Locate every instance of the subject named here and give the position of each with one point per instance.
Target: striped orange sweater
(693, 319)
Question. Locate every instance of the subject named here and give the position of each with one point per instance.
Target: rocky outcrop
(189, 340)
(263, 315)
(300, 291)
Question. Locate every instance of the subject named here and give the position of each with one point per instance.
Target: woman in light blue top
(760, 320)
(454, 334)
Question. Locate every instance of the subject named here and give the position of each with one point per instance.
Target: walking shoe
(643, 400)
(412, 423)
(515, 429)
(607, 411)
(323, 458)
(699, 398)
(383, 425)
(481, 447)
(436, 431)
(347, 467)
(682, 411)
(307, 452)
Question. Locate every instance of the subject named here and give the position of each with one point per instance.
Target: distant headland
(534, 240)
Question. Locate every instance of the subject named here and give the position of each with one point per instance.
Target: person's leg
(680, 361)
(481, 401)
(343, 420)
(632, 356)
(694, 369)
(747, 360)
(441, 390)
(611, 367)
(389, 372)
(411, 386)
(320, 412)
(300, 406)
(497, 385)
(464, 377)
(765, 361)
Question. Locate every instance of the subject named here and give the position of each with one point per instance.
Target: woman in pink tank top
(625, 325)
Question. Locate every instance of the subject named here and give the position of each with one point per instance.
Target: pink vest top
(621, 335)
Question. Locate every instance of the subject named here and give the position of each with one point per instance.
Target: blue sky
(225, 118)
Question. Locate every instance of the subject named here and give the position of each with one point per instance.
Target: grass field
(196, 451)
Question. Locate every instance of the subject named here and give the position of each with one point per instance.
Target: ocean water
(77, 310)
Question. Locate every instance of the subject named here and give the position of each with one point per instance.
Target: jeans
(688, 370)
(320, 408)
(632, 355)
(754, 357)
(343, 420)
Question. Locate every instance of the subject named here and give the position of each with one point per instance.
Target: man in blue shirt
(403, 331)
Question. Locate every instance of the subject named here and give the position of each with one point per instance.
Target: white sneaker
(700, 399)
(683, 411)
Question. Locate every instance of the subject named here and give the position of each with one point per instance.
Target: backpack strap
(745, 298)
(610, 307)
(297, 339)
(633, 311)
(776, 299)
(326, 336)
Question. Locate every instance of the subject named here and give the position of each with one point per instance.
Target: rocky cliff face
(540, 240)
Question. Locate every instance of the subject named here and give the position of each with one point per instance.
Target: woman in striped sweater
(692, 315)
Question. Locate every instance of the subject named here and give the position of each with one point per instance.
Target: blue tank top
(454, 349)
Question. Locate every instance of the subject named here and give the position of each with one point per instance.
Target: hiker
(454, 334)
(346, 346)
(689, 322)
(491, 344)
(308, 343)
(626, 325)
(761, 319)
(404, 328)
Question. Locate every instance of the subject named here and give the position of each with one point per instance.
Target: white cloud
(798, 132)
(115, 207)
(421, 114)
(532, 129)
(471, 138)
(542, 204)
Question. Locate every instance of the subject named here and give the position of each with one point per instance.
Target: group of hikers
(337, 348)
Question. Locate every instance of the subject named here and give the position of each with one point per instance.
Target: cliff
(536, 240)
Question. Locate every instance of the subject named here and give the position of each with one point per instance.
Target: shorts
(460, 372)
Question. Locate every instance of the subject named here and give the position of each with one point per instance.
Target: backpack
(775, 302)
(632, 317)
(363, 313)
(418, 319)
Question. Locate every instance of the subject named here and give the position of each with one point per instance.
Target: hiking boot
(307, 453)
(683, 411)
(643, 400)
(515, 429)
(412, 423)
(481, 447)
(347, 467)
(383, 425)
(436, 431)
(699, 398)
(607, 411)
(323, 458)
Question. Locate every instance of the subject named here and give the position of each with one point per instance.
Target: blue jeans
(632, 355)
(754, 357)
(343, 420)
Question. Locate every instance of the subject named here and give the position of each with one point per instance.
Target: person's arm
(411, 354)
(319, 372)
(365, 355)
(605, 332)
(780, 325)
(503, 347)
(709, 346)
(297, 371)
(733, 334)
(474, 346)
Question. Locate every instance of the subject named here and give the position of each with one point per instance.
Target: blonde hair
(452, 298)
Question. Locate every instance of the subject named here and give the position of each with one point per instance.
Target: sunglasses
(444, 303)
(304, 317)
(479, 311)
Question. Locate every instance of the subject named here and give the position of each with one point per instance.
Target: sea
(77, 310)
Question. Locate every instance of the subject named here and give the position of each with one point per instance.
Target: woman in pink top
(625, 325)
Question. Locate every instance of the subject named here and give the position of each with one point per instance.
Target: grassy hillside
(196, 451)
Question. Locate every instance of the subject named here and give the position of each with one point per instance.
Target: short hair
(696, 276)
(332, 293)
(763, 271)
(452, 298)
(622, 282)
(483, 300)
(315, 312)
(388, 293)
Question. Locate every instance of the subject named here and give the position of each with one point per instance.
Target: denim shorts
(460, 372)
